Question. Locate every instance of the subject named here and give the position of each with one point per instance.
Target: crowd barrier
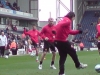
(8, 11)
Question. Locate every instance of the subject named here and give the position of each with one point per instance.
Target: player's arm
(27, 33)
(42, 33)
(39, 35)
(74, 32)
(67, 23)
(98, 29)
(25, 30)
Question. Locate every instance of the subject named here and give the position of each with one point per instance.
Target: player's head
(13, 40)
(51, 21)
(2, 32)
(34, 27)
(71, 15)
(99, 20)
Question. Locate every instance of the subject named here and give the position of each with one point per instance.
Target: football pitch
(26, 65)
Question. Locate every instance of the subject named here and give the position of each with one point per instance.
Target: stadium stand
(4, 4)
(88, 25)
(13, 21)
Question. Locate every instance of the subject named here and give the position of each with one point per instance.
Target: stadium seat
(4, 4)
(86, 21)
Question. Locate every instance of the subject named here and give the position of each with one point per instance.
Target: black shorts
(48, 45)
(98, 45)
(34, 44)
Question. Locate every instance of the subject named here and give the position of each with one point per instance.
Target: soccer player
(48, 37)
(34, 35)
(98, 35)
(63, 29)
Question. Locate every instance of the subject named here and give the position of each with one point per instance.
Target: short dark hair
(2, 31)
(70, 15)
(34, 24)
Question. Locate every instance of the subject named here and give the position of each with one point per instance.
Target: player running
(48, 38)
(34, 36)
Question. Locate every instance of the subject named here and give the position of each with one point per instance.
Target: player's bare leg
(37, 54)
(53, 56)
(43, 56)
(41, 60)
(53, 59)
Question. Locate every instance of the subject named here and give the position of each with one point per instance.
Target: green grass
(26, 65)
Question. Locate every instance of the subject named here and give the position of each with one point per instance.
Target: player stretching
(34, 35)
(63, 29)
(48, 38)
(98, 35)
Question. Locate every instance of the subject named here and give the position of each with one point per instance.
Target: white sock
(37, 57)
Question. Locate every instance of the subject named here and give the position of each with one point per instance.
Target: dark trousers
(81, 48)
(14, 51)
(65, 48)
(2, 50)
